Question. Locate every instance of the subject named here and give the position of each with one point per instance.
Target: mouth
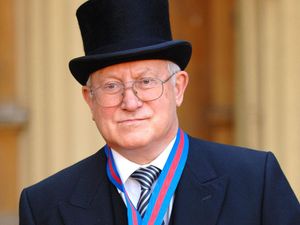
(132, 121)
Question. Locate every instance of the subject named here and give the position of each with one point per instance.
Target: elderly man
(150, 171)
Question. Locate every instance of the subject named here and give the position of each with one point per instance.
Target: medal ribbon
(164, 188)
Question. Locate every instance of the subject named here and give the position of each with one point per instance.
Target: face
(135, 125)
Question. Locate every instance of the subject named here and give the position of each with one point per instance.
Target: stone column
(60, 130)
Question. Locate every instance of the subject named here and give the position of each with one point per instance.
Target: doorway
(207, 111)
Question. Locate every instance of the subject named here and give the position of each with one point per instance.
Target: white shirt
(126, 167)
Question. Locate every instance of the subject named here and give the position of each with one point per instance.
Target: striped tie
(146, 177)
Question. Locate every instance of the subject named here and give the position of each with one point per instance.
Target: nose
(130, 101)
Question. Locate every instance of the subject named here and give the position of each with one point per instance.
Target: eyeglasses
(145, 89)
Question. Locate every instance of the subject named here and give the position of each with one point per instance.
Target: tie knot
(146, 176)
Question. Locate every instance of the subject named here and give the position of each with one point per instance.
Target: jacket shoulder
(229, 159)
(224, 150)
(67, 176)
(60, 186)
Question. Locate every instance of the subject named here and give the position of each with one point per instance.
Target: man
(150, 171)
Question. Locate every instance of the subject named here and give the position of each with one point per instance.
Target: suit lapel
(119, 208)
(200, 192)
(91, 200)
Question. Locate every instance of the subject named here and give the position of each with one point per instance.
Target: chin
(132, 137)
(134, 142)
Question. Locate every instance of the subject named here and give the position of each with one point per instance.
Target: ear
(182, 80)
(86, 93)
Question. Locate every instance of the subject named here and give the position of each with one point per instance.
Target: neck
(141, 157)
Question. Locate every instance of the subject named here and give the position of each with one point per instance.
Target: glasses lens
(107, 100)
(148, 89)
(109, 94)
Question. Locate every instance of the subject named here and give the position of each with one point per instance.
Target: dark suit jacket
(220, 185)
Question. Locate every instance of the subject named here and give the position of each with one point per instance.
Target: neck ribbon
(164, 188)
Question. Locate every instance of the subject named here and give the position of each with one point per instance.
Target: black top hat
(115, 31)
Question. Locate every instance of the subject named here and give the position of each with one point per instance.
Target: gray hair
(89, 81)
(173, 68)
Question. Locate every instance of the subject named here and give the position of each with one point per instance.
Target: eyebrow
(141, 72)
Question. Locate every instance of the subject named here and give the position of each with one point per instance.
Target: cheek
(169, 101)
(102, 118)
(101, 113)
(166, 106)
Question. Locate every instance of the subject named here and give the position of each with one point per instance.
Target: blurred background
(244, 89)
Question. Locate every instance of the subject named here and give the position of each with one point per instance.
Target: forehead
(133, 68)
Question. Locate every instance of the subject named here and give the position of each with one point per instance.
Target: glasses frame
(93, 90)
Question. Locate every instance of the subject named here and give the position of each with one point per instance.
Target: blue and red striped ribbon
(165, 186)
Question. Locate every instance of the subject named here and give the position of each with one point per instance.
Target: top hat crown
(115, 31)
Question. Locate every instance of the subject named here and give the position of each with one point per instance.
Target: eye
(111, 87)
(147, 82)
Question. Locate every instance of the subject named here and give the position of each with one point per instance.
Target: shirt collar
(126, 167)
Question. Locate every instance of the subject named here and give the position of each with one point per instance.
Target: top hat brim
(176, 51)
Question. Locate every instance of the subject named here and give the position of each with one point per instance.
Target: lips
(132, 121)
